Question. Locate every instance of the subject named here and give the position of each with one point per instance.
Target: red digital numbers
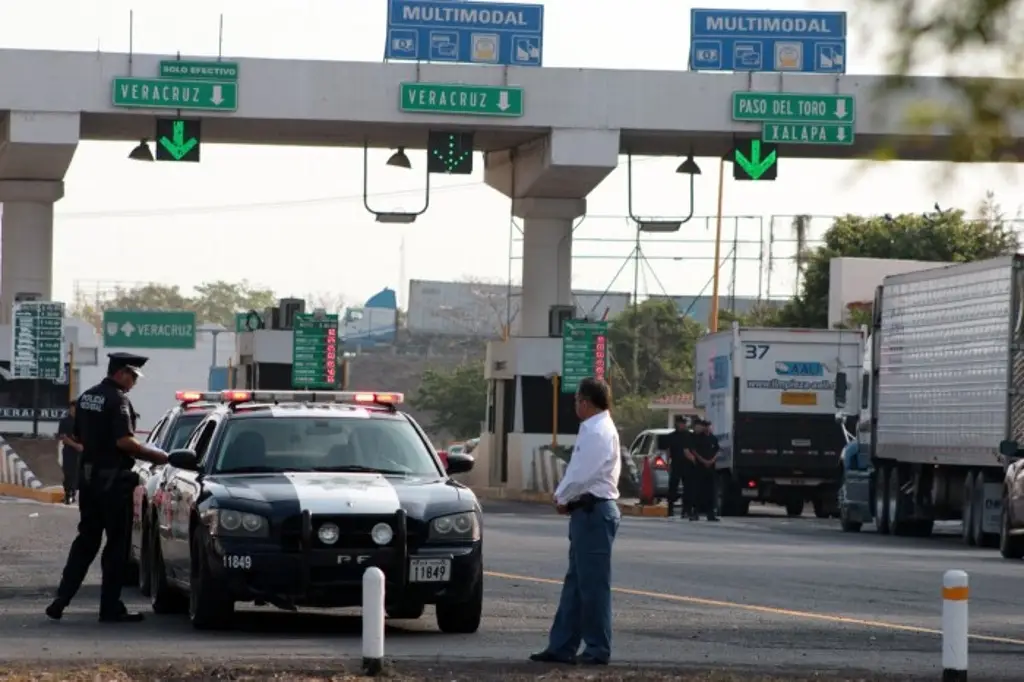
(331, 348)
(600, 356)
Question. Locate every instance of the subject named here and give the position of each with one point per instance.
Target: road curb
(49, 495)
(534, 497)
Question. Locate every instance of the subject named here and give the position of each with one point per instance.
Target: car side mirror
(459, 463)
(839, 397)
(1009, 448)
(443, 454)
(183, 459)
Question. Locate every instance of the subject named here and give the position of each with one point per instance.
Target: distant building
(699, 307)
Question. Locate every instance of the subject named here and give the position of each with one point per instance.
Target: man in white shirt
(588, 494)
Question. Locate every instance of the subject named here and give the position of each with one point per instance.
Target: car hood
(340, 493)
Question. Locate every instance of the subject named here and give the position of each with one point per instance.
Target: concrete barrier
(17, 480)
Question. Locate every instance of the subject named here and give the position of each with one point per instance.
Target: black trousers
(69, 465)
(679, 476)
(101, 512)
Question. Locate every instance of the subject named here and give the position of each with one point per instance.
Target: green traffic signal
(177, 139)
(450, 153)
(755, 160)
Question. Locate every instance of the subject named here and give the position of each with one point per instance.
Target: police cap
(129, 361)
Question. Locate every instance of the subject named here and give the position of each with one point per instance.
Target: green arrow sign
(789, 107)
(470, 100)
(755, 165)
(178, 146)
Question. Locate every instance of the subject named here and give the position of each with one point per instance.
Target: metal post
(713, 316)
(554, 410)
(373, 621)
(35, 408)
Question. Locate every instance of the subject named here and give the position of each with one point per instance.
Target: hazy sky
(293, 219)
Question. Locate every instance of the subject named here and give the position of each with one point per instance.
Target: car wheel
(163, 598)
(209, 606)
(1010, 546)
(462, 617)
(405, 611)
(145, 572)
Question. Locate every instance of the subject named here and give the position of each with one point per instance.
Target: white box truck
(771, 397)
(947, 361)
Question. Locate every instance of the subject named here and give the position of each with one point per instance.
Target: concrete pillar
(26, 240)
(547, 258)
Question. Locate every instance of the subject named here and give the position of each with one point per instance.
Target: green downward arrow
(178, 147)
(755, 166)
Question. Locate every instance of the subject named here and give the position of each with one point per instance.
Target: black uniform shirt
(104, 416)
(677, 443)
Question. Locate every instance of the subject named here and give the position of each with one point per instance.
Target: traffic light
(177, 139)
(450, 153)
(754, 160)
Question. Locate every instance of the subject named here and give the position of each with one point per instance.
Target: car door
(145, 472)
(183, 489)
(639, 449)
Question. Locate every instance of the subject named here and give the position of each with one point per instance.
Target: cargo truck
(942, 396)
(771, 397)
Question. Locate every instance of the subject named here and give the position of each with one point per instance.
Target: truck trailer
(771, 397)
(946, 353)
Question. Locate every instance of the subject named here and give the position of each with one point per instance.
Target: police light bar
(186, 397)
(365, 397)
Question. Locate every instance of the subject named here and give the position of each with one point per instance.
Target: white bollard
(373, 621)
(954, 626)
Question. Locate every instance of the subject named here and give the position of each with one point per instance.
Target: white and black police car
(285, 498)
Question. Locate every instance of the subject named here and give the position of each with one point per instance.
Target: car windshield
(183, 428)
(340, 444)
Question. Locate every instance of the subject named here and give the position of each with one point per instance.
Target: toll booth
(675, 405)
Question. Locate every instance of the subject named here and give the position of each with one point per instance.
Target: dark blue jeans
(585, 608)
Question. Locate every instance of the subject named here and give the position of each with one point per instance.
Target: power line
(232, 208)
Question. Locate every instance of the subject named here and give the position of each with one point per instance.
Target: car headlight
(382, 534)
(236, 524)
(329, 533)
(462, 526)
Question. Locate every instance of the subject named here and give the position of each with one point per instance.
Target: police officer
(104, 425)
(679, 445)
(706, 450)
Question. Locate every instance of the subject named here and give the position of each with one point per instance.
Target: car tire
(145, 572)
(462, 617)
(405, 611)
(163, 598)
(208, 606)
(1010, 546)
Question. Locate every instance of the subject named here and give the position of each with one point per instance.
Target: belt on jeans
(586, 502)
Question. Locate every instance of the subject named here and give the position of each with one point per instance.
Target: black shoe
(122, 617)
(712, 518)
(549, 657)
(55, 611)
(591, 660)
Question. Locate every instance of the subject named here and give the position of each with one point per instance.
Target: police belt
(586, 502)
(105, 477)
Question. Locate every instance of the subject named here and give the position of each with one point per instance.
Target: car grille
(354, 530)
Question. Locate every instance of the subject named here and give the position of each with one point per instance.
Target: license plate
(430, 570)
(794, 481)
(747, 492)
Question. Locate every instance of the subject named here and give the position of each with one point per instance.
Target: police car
(169, 433)
(285, 498)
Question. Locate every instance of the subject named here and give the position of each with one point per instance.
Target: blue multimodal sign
(466, 32)
(762, 40)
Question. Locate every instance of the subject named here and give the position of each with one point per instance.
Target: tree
(216, 301)
(652, 348)
(333, 304)
(982, 32)
(456, 398)
(944, 236)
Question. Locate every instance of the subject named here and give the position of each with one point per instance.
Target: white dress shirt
(595, 463)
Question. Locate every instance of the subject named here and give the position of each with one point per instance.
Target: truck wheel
(981, 538)
(795, 507)
(882, 499)
(1010, 546)
(900, 522)
(821, 509)
(209, 606)
(967, 510)
(727, 502)
(462, 617)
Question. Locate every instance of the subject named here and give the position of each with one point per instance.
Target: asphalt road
(762, 592)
